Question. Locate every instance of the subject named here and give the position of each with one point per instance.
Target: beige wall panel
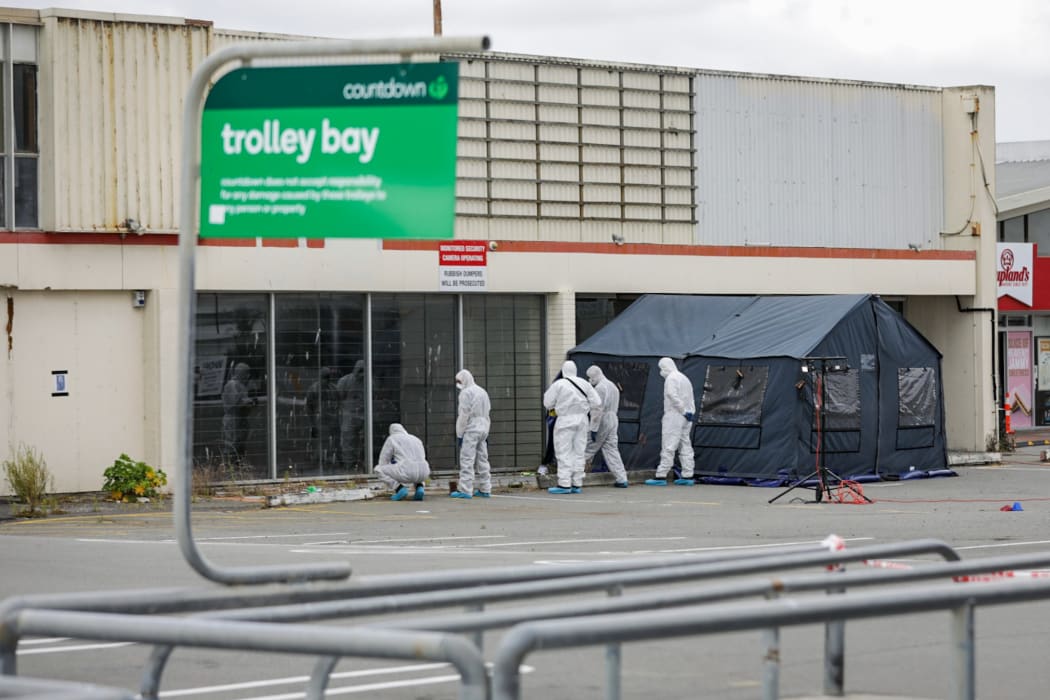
(474, 109)
(677, 83)
(559, 210)
(470, 91)
(641, 81)
(601, 211)
(81, 434)
(601, 193)
(641, 118)
(641, 195)
(507, 70)
(562, 114)
(468, 168)
(472, 71)
(514, 190)
(514, 208)
(70, 267)
(641, 156)
(472, 228)
(471, 188)
(680, 213)
(601, 154)
(678, 121)
(678, 103)
(512, 170)
(470, 129)
(557, 231)
(472, 207)
(604, 78)
(678, 196)
(641, 139)
(470, 149)
(559, 133)
(598, 135)
(558, 94)
(559, 151)
(511, 110)
(561, 172)
(514, 229)
(558, 192)
(600, 231)
(643, 176)
(512, 132)
(597, 174)
(601, 116)
(679, 177)
(678, 158)
(603, 97)
(634, 99)
(558, 74)
(647, 213)
(514, 92)
(514, 150)
(678, 234)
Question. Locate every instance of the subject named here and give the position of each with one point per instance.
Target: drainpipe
(991, 317)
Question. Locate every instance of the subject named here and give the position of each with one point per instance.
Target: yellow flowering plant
(128, 480)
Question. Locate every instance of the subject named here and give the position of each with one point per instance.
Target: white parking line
(75, 647)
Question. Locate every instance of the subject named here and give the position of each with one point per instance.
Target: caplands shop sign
(1013, 274)
(363, 151)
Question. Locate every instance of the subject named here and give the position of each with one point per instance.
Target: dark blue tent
(758, 365)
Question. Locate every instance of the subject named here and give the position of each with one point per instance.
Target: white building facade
(590, 183)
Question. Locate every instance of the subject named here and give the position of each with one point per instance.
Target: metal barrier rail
(735, 617)
(44, 689)
(614, 583)
(325, 642)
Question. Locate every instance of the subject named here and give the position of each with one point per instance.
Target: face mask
(594, 381)
(459, 387)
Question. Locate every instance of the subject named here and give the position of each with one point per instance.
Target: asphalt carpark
(122, 548)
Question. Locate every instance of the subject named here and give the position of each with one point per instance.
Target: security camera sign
(361, 151)
(462, 266)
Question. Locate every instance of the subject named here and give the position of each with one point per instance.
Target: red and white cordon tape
(835, 543)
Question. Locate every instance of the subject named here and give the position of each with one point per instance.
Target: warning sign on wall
(462, 266)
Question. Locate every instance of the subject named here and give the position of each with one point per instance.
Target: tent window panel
(915, 438)
(631, 378)
(844, 441)
(916, 397)
(628, 432)
(842, 400)
(733, 395)
(730, 437)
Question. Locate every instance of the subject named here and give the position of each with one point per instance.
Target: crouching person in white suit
(403, 461)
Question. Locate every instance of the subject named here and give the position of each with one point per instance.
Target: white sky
(1003, 43)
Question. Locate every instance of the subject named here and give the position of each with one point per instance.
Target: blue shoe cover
(399, 494)
(460, 494)
(620, 484)
(558, 490)
(656, 482)
(482, 494)
(419, 494)
(577, 489)
(684, 482)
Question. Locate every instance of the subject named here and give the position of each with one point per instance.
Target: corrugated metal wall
(113, 92)
(817, 163)
(562, 141)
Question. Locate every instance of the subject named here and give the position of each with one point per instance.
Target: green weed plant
(128, 480)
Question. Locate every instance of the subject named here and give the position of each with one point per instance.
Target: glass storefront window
(414, 370)
(319, 350)
(502, 348)
(230, 437)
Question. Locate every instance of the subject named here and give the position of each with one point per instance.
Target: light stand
(819, 367)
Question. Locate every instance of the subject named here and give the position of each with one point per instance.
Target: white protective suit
(675, 430)
(402, 459)
(472, 425)
(605, 421)
(572, 399)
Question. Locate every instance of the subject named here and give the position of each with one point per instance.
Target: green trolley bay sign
(363, 151)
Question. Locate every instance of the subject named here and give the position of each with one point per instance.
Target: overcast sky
(1003, 43)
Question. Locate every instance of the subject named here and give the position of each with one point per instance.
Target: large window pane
(25, 108)
(414, 369)
(230, 386)
(502, 345)
(25, 193)
(320, 414)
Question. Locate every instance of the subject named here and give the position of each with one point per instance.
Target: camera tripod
(828, 481)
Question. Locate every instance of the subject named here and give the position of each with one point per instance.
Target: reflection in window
(631, 378)
(230, 386)
(414, 370)
(733, 395)
(502, 348)
(320, 384)
(842, 400)
(916, 397)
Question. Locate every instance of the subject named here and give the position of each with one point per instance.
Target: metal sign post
(247, 143)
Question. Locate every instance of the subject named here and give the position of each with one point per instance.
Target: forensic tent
(777, 381)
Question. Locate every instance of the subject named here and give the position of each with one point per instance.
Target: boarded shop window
(230, 434)
(320, 382)
(916, 397)
(413, 370)
(20, 145)
(733, 395)
(503, 349)
(842, 400)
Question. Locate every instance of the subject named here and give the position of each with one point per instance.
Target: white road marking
(43, 640)
(300, 679)
(367, 688)
(597, 539)
(998, 545)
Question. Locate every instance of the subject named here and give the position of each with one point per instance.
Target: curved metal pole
(319, 678)
(149, 686)
(188, 211)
